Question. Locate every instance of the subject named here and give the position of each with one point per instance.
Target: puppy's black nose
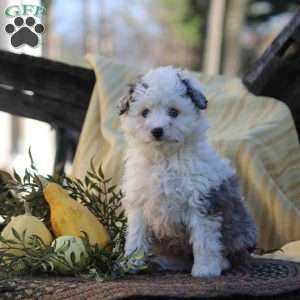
(157, 132)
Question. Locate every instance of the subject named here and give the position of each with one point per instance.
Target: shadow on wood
(277, 72)
(48, 91)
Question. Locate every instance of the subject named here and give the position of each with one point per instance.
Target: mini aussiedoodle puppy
(182, 200)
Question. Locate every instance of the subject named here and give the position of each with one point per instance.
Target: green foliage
(95, 192)
(185, 18)
(17, 189)
(106, 265)
(37, 258)
(103, 199)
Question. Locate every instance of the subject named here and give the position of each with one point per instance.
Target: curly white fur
(169, 181)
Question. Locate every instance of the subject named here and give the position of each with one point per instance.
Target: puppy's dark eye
(145, 112)
(173, 112)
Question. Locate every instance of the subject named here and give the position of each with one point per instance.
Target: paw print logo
(24, 33)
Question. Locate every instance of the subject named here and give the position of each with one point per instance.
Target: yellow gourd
(32, 226)
(69, 217)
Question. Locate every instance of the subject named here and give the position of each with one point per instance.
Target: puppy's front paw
(206, 270)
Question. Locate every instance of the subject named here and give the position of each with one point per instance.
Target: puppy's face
(163, 107)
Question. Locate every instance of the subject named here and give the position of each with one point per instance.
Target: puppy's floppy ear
(138, 89)
(125, 100)
(193, 90)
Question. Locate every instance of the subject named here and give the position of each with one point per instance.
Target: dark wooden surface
(48, 91)
(44, 90)
(277, 72)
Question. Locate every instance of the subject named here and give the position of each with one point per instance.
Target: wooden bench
(277, 72)
(59, 94)
(49, 91)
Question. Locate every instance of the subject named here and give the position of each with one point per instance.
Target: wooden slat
(41, 108)
(61, 91)
(277, 72)
(259, 74)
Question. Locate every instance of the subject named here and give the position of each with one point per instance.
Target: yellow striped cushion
(256, 133)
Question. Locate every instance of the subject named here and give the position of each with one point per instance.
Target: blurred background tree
(183, 30)
(216, 36)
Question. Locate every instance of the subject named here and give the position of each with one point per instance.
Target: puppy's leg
(207, 248)
(136, 238)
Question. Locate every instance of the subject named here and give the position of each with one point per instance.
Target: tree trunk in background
(105, 42)
(89, 34)
(213, 47)
(86, 26)
(50, 41)
(235, 19)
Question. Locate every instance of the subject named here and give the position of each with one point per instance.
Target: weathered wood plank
(42, 108)
(59, 95)
(269, 63)
(277, 73)
(70, 85)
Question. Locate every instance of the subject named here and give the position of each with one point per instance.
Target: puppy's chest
(166, 201)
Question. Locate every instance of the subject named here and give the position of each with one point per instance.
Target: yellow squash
(69, 217)
(32, 226)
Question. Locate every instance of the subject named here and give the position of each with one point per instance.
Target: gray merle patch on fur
(238, 231)
(24, 34)
(196, 96)
(238, 227)
(128, 98)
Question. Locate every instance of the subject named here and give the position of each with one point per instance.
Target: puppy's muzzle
(157, 132)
